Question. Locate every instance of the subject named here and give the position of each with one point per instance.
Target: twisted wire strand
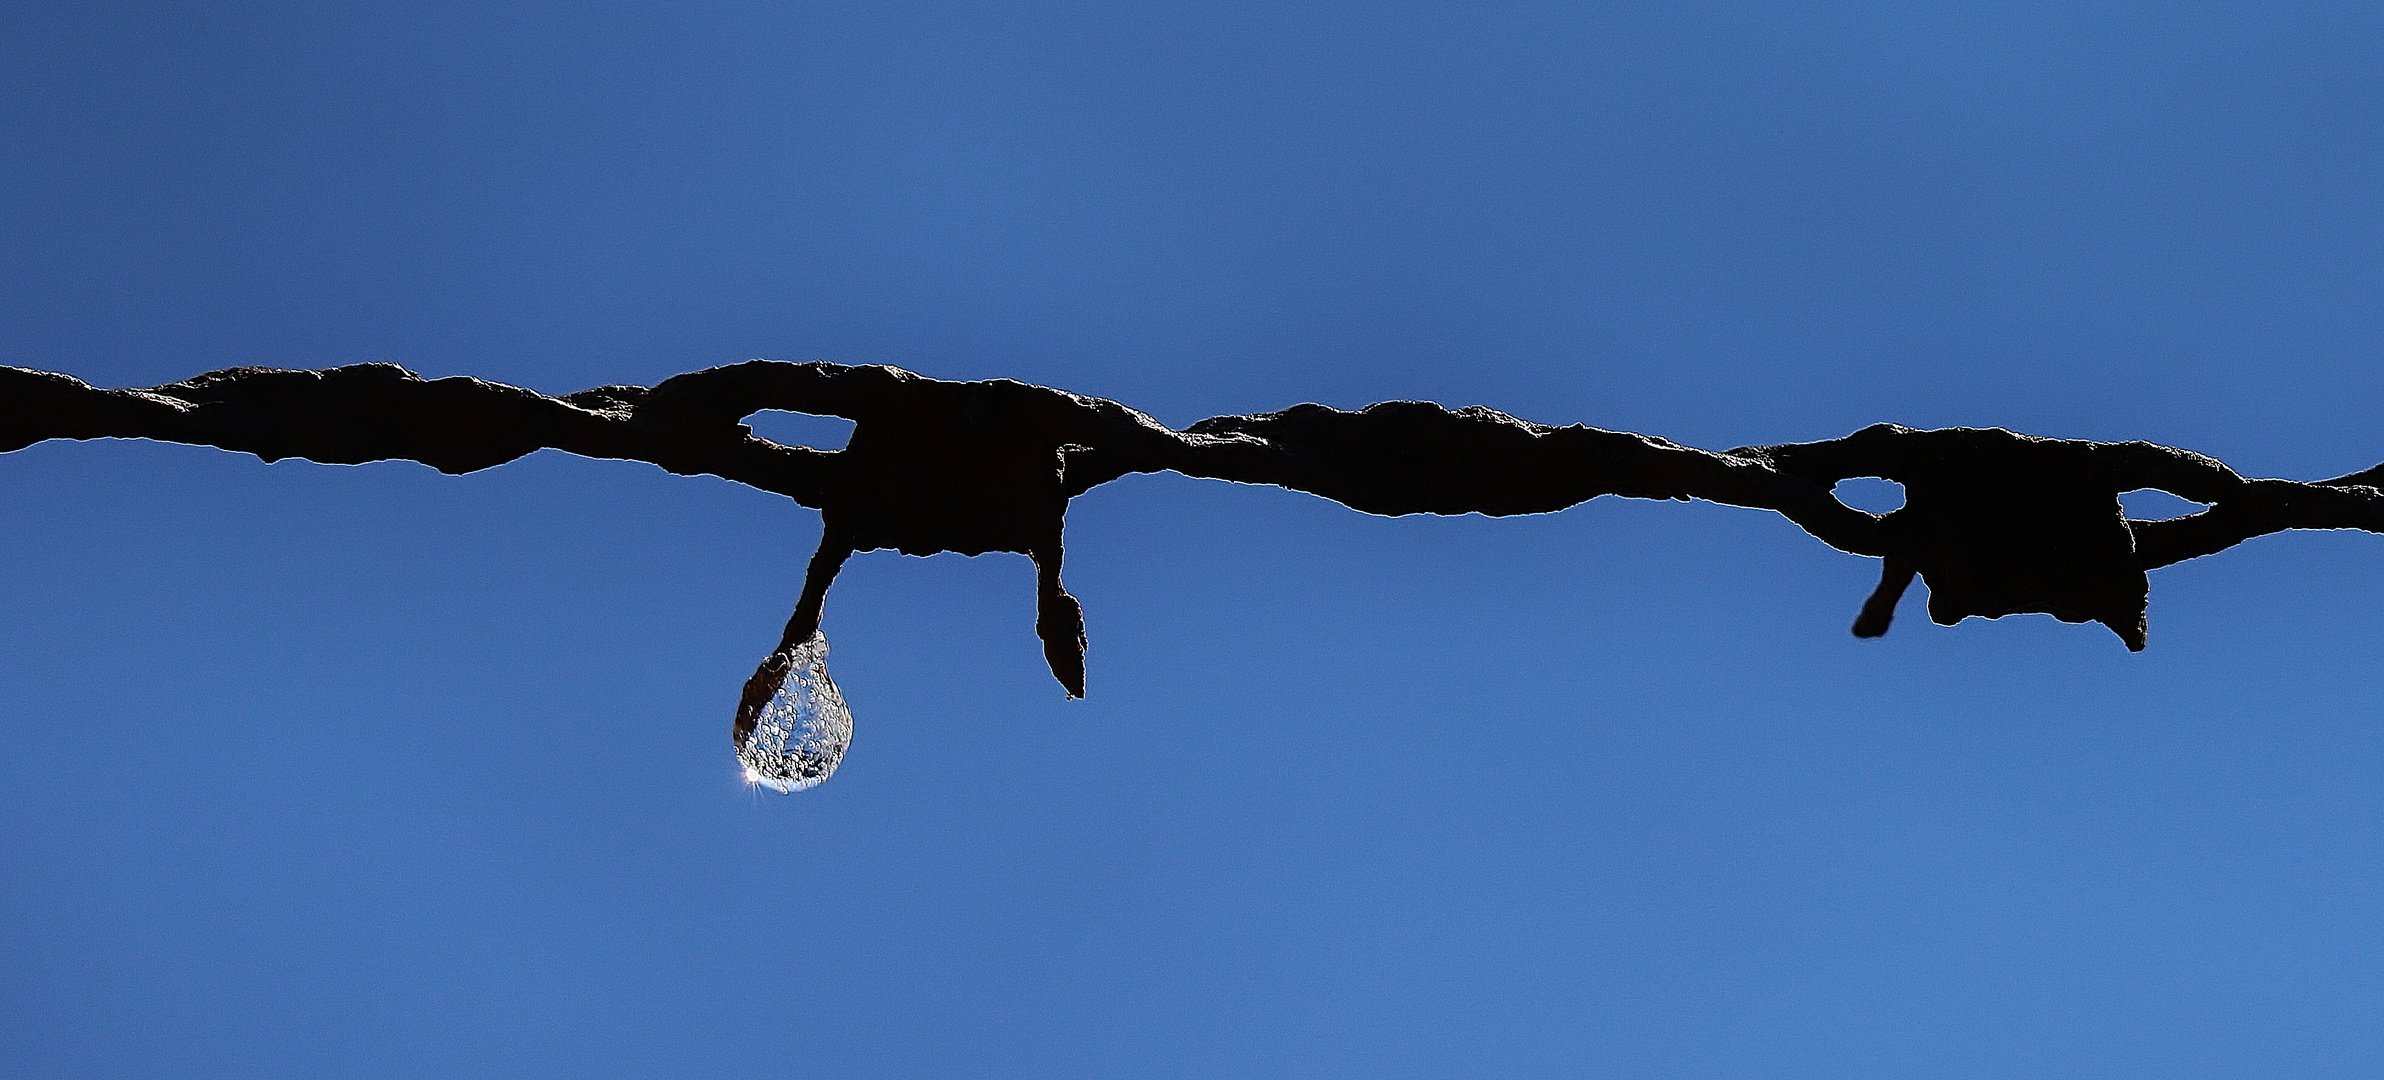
(1995, 522)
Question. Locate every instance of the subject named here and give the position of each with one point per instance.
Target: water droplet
(800, 736)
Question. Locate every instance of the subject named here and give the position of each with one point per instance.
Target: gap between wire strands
(801, 429)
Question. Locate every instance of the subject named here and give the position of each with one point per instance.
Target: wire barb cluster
(1996, 523)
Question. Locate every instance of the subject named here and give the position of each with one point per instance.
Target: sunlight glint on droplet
(801, 735)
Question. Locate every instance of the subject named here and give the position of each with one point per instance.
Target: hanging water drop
(801, 733)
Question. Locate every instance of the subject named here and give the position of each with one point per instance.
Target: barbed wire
(1995, 522)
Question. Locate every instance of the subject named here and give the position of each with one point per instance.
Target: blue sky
(372, 772)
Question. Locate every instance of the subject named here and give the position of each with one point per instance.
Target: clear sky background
(317, 771)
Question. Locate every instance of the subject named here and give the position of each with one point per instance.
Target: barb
(1996, 523)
